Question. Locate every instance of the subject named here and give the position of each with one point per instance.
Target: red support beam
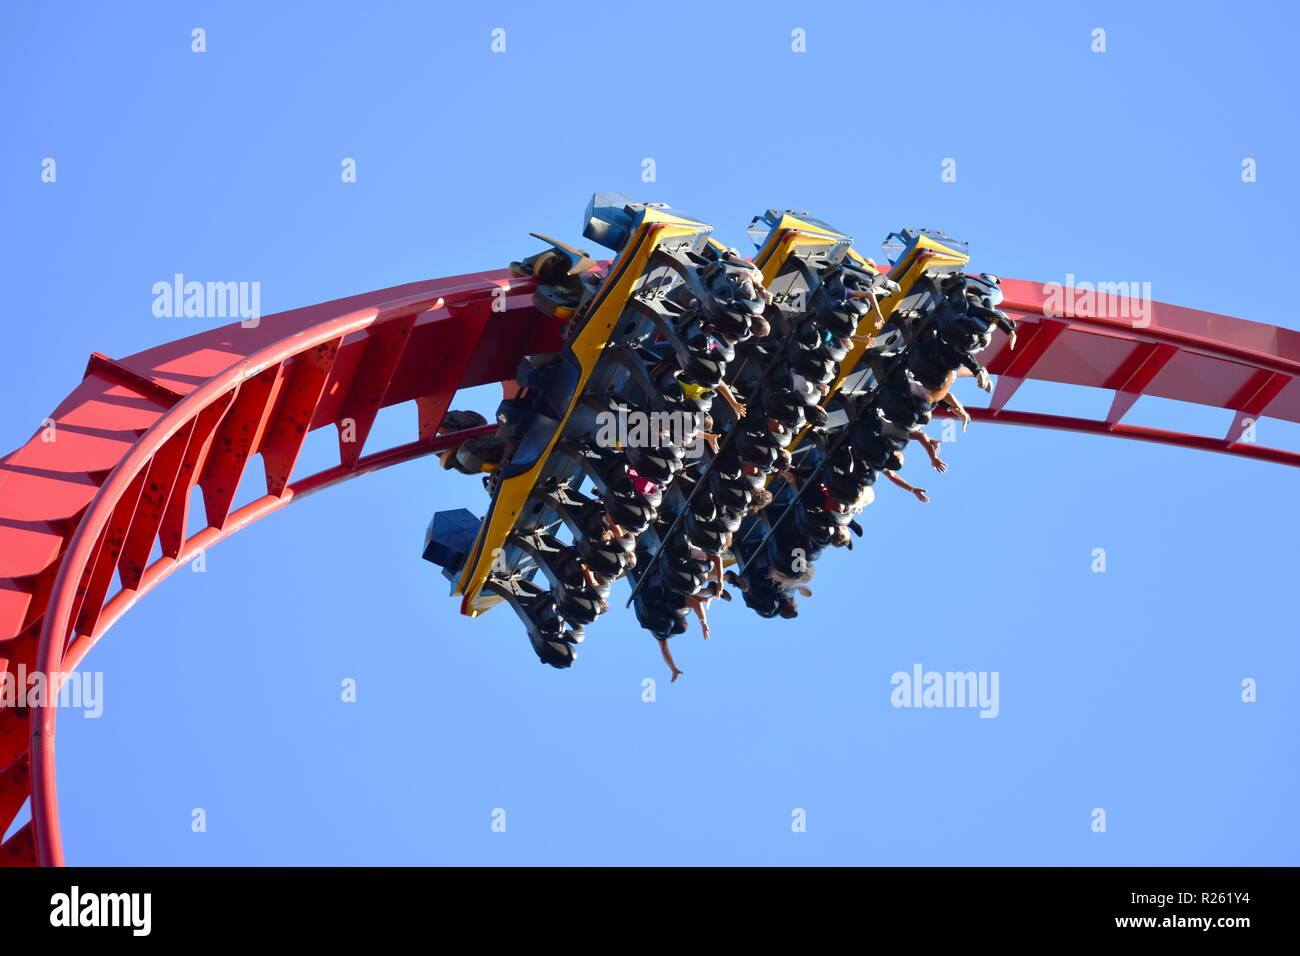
(291, 421)
(1136, 375)
(1032, 342)
(361, 404)
(103, 365)
(1253, 401)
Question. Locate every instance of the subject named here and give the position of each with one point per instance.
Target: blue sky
(1118, 690)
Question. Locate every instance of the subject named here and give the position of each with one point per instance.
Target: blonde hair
(785, 582)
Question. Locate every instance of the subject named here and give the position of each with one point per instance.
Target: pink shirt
(643, 486)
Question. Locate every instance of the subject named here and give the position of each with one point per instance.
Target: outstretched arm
(919, 492)
(730, 398)
(875, 306)
(1004, 321)
(931, 446)
(1007, 325)
(979, 371)
(951, 401)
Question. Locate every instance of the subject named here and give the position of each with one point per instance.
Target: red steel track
(110, 494)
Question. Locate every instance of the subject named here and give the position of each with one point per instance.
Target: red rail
(138, 436)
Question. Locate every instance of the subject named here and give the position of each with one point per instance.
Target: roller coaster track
(103, 489)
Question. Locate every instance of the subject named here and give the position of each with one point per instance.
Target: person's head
(760, 327)
(788, 608)
(784, 408)
(783, 459)
(629, 559)
(816, 416)
(691, 390)
(759, 500)
(865, 497)
(840, 537)
(986, 287)
(722, 335)
(787, 582)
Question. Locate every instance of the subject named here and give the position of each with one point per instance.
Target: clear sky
(1118, 690)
